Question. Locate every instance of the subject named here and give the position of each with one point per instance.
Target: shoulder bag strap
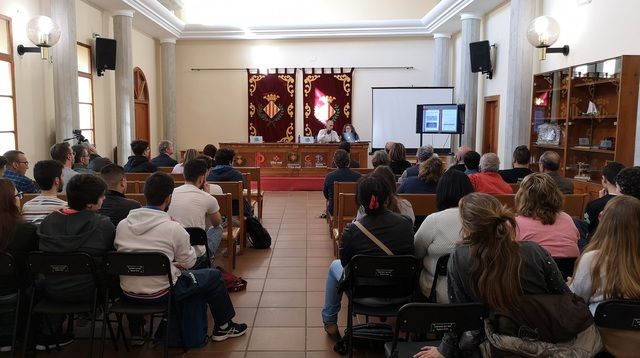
(373, 238)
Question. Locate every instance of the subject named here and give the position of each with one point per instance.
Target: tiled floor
(284, 295)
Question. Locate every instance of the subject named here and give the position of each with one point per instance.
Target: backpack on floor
(194, 312)
(258, 236)
(231, 281)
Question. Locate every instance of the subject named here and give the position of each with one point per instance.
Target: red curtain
(327, 97)
(272, 105)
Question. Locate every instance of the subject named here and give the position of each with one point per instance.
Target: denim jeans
(332, 297)
(214, 237)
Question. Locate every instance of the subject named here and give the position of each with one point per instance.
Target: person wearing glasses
(81, 159)
(16, 169)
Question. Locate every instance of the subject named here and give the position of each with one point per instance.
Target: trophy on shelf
(592, 110)
(584, 171)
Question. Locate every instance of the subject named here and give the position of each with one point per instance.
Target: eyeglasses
(25, 163)
(20, 195)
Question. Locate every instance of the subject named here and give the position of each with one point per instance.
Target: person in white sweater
(608, 268)
(150, 228)
(440, 231)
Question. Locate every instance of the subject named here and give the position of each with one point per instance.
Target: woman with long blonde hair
(489, 266)
(540, 217)
(189, 155)
(609, 267)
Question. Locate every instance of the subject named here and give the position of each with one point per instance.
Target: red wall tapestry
(272, 105)
(327, 97)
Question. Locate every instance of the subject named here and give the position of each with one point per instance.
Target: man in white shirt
(193, 206)
(328, 135)
(49, 176)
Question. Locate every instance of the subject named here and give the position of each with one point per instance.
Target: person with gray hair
(380, 157)
(425, 152)
(550, 163)
(488, 180)
(165, 148)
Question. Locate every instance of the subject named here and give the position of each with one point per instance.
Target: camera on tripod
(77, 135)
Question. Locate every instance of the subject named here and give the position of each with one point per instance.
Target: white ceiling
(279, 19)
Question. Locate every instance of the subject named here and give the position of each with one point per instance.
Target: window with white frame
(85, 91)
(8, 117)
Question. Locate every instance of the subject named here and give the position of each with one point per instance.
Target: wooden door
(491, 124)
(141, 99)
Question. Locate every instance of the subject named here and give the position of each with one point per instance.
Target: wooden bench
(338, 187)
(348, 210)
(235, 189)
(257, 195)
(574, 204)
(230, 233)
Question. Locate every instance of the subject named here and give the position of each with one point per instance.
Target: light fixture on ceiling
(42, 32)
(543, 32)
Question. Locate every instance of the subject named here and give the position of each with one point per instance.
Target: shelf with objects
(587, 113)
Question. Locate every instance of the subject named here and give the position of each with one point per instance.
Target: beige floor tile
(320, 261)
(320, 244)
(324, 252)
(318, 340)
(243, 315)
(283, 299)
(289, 262)
(280, 317)
(275, 354)
(247, 272)
(288, 236)
(285, 284)
(290, 245)
(287, 272)
(315, 299)
(316, 284)
(289, 252)
(245, 298)
(276, 338)
(317, 272)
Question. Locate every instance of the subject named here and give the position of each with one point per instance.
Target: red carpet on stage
(292, 183)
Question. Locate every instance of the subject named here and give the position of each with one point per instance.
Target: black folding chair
(439, 318)
(565, 265)
(619, 314)
(198, 236)
(387, 277)
(62, 264)
(441, 270)
(8, 273)
(140, 264)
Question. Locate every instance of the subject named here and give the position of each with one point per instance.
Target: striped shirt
(36, 209)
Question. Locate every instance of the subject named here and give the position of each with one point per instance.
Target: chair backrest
(226, 209)
(514, 187)
(565, 265)
(232, 187)
(441, 270)
(197, 235)
(346, 212)
(7, 265)
(139, 197)
(507, 199)
(137, 264)
(441, 317)
(422, 204)
(137, 176)
(133, 187)
(60, 263)
(618, 314)
(383, 276)
(177, 177)
(341, 187)
(165, 169)
(575, 205)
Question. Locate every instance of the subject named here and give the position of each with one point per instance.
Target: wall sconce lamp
(543, 32)
(44, 33)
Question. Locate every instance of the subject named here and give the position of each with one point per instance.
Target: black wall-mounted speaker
(480, 56)
(105, 54)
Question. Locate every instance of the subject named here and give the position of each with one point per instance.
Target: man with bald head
(488, 180)
(550, 163)
(458, 159)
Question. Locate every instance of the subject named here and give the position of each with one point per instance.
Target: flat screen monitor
(440, 118)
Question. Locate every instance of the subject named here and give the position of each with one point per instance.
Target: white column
(65, 70)
(441, 60)
(168, 59)
(125, 110)
(468, 93)
(520, 72)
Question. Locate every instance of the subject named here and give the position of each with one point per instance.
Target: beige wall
(212, 105)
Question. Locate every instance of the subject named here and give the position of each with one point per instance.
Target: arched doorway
(141, 100)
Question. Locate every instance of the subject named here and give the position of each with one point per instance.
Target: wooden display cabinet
(595, 106)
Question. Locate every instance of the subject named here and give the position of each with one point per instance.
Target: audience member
(489, 266)
(398, 156)
(193, 206)
(471, 162)
(396, 203)
(166, 149)
(210, 150)
(346, 146)
(628, 182)
(380, 157)
(608, 192)
(3, 163)
(15, 170)
(458, 159)
(541, 219)
(81, 159)
(62, 152)
(427, 180)
(550, 163)
(608, 269)
(488, 180)
(139, 162)
(342, 174)
(96, 162)
(151, 229)
(116, 205)
(520, 160)
(213, 188)
(348, 128)
(393, 230)
(328, 135)
(388, 146)
(78, 228)
(50, 179)
(440, 231)
(425, 152)
(223, 171)
(189, 155)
